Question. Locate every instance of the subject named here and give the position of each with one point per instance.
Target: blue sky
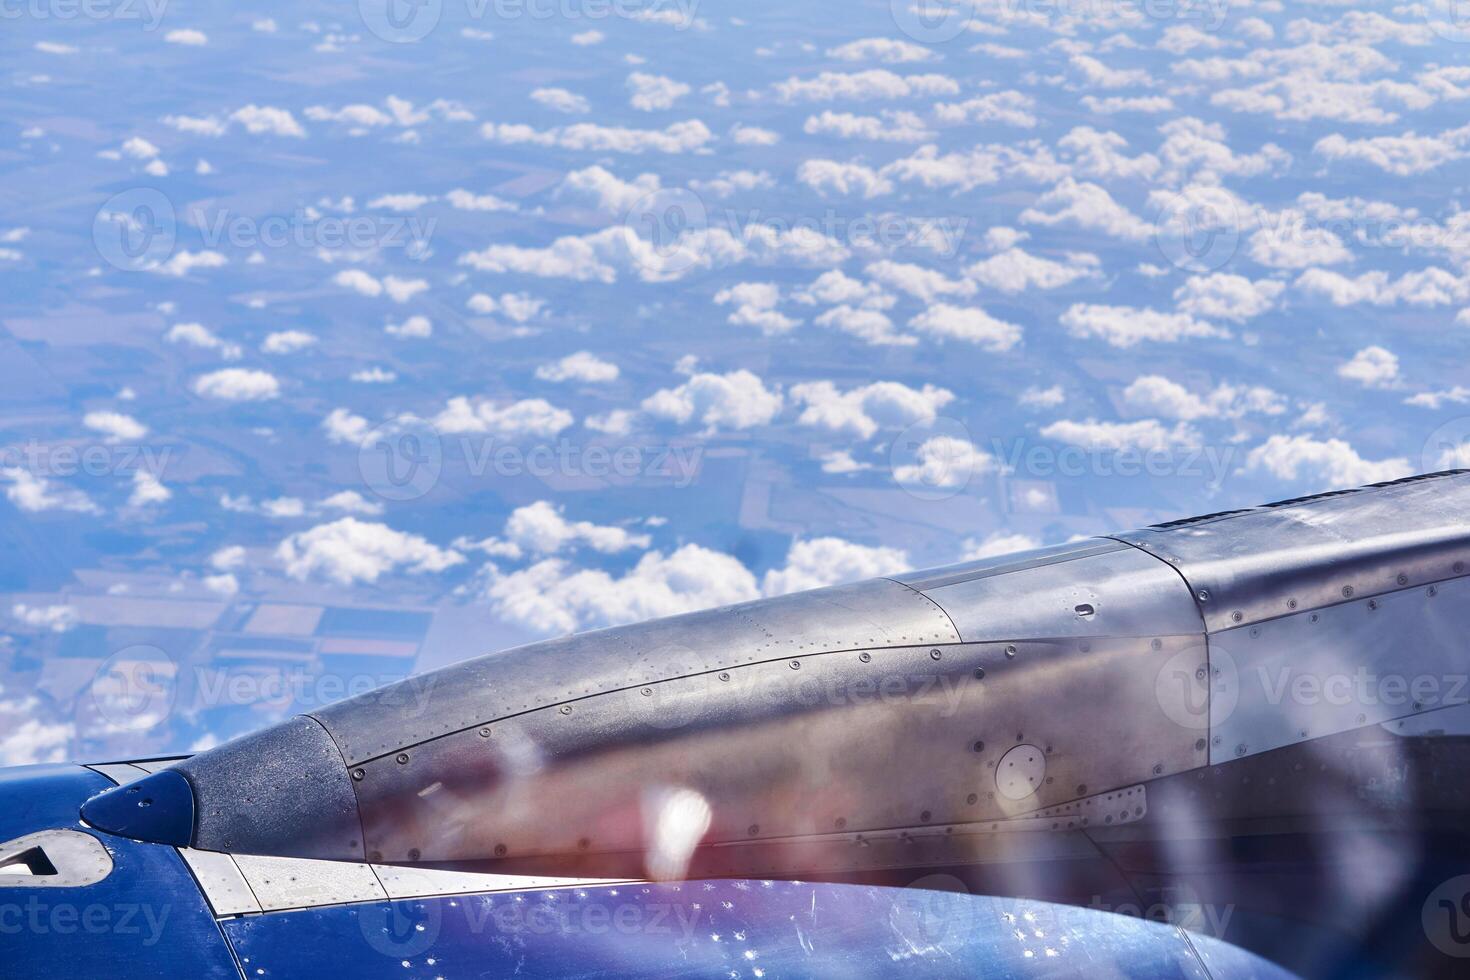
(341, 341)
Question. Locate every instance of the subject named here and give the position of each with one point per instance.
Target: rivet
(978, 746)
(1372, 603)
(1459, 567)
(935, 654)
(647, 692)
(979, 673)
(1255, 631)
(375, 856)
(413, 854)
(484, 733)
(1240, 749)
(796, 665)
(358, 774)
(1290, 603)
(1237, 615)
(1432, 592)
(1403, 579)
(1314, 617)
(924, 816)
(1199, 745)
(840, 822)
(1158, 768)
(1081, 788)
(583, 843)
(1347, 591)
(972, 799)
(753, 829)
(1204, 595)
(501, 850)
(1156, 645)
(566, 709)
(724, 677)
(403, 758)
(1010, 650)
(865, 657)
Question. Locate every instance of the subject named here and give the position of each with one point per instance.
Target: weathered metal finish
(73, 860)
(1270, 561)
(485, 690)
(1101, 590)
(952, 698)
(1345, 666)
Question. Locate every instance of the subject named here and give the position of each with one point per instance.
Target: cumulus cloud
(147, 490)
(395, 288)
(561, 100)
(582, 366)
(541, 529)
(35, 494)
(680, 137)
(1372, 367)
(861, 411)
(817, 562)
(1156, 395)
(755, 306)
(944, 461)
(886, 50)
(999, 543)
(1015, 270)
(115, 426)
(651, 93)
(969, 324)
(1329, 464)
(1127, 326)
(198, 335)
(1225, 296)
(874, 84)
(554, 597)
(530, 417)
(348, 551)
(736, 400)
(1144, 435)
(287, 341)
(237, 385)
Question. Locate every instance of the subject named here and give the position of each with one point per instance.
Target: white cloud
(610, 193)
(147, 490)
(1012, 108)
(923, 284)
(267, 119)
(944, 461)
(1329, 464)
(532, 417)
(184, 262)
(348, 550)
(1127, 326)
(882, 49)
(399, 202)
(237, 385)
(287, 341)
(227, 558)
(581, 366)
(397, 289)
(834, 287)
(999, 543)
(554, 597)
(680, 137)
(890, 127)
(1099, 75)
(868, 325)
(352, 502)
(1156, 395)
(744, 135)
(1372, 367)
(414, 328)
(969, 324)
(832, 177)
(540, 529)
(1087, 206)
(57, 618)
(877, 83)
(1225, 296)
(861, 411)
(463, 200)
(587, 38)
(198, 335)
(1402, 156)
(1015, 270)
(1144, 435)
(650, 93)
(35, 494)
(1424, 287)
(187, 36)
(115, 426)
(755, 306)
(342, 426)
(519, 307)
(737, 400)
(1035, 397)
(817, 562)
(561, 100)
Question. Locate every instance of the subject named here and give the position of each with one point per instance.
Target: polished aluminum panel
(876, 613)
(1275, 560)
(787, 749)
(288, 883)
(221, 881)
(1098, 591)
(78, 859)
(933, 578)
(1357, 663)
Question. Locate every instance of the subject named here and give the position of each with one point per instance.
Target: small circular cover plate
(1020, 772)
